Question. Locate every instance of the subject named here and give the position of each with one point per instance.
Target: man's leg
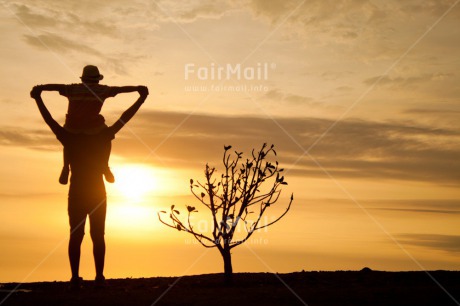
(77, 219)
(107, 145)
(74, 253)
(97, 230)
(64, 177)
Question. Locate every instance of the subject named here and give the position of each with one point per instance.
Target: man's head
(91, 74)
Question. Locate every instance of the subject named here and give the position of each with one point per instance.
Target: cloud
(292, 99)
(447, 243)
(273, 10)
(433, 7)
(64, 28)
(352, 149)
(60, 44)
(415, 210)
(101, 27)
(403, 82)
(423, 111)
(34, 19)
(190, 11)
(418, 206)
(338, 19)
(29, 138)
(114, 60)
(335, 75)
(63, 19)
(364, 31)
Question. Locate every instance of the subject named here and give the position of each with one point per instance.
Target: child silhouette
(83, 114)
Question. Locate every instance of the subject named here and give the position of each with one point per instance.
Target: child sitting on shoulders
(83, 114)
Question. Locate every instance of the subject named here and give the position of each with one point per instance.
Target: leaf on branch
(178, 227)
(176, 211)
(190, 208)
(163, 211)
(191, 181)
(172, 207)
(227, 147)
(284, 183)
(202, 195)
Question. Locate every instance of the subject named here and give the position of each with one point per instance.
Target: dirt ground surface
(300, 288)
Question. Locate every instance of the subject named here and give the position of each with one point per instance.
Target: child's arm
(52, 87)
(130, 112)
(123, 89)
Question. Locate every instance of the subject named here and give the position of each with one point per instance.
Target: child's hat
(91, 72)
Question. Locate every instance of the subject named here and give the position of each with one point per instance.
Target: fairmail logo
(238, 72)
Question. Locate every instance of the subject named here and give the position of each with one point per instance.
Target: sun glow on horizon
(130, 195)
(135, 182)
(139, 191)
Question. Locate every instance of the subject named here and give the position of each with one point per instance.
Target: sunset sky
(360, 98)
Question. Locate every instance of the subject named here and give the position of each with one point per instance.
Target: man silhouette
(87, 195)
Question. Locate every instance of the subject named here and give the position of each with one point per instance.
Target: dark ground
(299, 288)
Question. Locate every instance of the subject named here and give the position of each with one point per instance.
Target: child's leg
(64, 177)
(107, 173)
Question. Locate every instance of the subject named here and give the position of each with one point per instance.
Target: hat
(91, 72)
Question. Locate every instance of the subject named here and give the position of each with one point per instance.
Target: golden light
(130, 205)
(134, 182)
(136, 196)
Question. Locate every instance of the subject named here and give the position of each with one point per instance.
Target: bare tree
(241, 195)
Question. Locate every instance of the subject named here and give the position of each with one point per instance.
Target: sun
(134, 182)
(134, 198)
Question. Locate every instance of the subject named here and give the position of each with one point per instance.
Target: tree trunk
(228, 270)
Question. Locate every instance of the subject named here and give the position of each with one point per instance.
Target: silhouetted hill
(364, 287)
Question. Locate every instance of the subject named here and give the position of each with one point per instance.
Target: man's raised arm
(54, 126)
(130, 112)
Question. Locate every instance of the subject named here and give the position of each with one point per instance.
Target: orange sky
(360, 100)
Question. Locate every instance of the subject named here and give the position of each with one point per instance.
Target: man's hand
(36, 91)
(143, 91)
